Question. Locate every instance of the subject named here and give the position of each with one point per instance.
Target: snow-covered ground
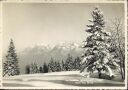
(68, 79)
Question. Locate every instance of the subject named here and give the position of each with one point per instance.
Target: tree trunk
(121, 73)
(99, 73)
(110, 71)
(123, 70)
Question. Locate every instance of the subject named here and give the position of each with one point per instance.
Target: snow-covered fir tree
(41, 69)
(45, 68)
(51, 65)
(27, 69)
(98, 55)
(77, 63)
(11, 66)
(55, 66)
(34, 68)
(62, 66)
(69, 63)
(58, 66)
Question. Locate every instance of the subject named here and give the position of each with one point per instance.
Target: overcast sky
(30, 24)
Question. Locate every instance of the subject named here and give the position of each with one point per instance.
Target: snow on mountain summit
(62, 45)
(43, 53)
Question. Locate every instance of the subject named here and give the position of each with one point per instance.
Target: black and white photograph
(63, 45)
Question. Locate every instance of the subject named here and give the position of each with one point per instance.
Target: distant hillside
(41, 53)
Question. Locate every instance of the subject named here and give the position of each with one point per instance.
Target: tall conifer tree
(98, 55)
(11, 66)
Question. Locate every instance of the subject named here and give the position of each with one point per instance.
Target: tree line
(69, 64)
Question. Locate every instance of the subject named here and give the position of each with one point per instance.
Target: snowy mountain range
(43, 53)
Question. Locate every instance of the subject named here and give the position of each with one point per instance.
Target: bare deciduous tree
(118, 38)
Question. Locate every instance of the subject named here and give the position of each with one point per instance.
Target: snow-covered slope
(68, 79)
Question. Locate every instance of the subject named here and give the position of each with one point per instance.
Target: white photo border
(65, 1)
